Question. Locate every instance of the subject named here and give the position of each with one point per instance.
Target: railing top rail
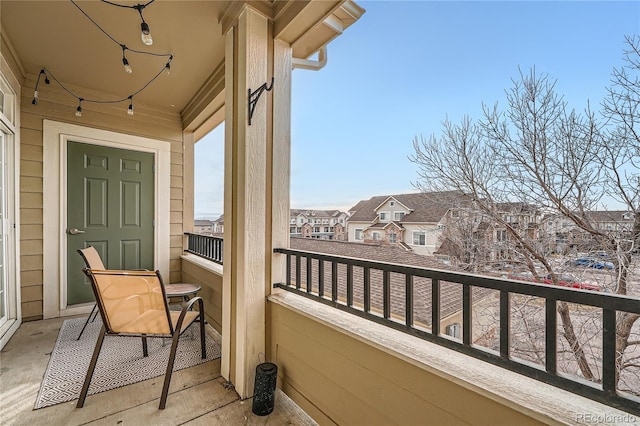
(584, 297)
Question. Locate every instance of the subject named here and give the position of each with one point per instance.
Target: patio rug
(120, 363)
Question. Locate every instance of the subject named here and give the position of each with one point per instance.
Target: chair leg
(88, 319)
(203, 346)
(145, 350)
(92, 367)
(167, 375)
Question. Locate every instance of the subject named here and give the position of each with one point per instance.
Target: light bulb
(79, 111)
(146, 34)
(35, 95)
(130, 110)
(127, 67)
(167, 68)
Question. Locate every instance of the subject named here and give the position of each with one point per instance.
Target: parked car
(564, 280)
(591, 262)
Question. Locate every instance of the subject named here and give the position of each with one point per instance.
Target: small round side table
(183, 290)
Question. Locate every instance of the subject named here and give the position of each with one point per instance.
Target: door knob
(75, 231)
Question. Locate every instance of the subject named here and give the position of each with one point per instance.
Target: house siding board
(55, 106)
(338, 378)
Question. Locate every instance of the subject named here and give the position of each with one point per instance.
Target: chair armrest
(186, 308)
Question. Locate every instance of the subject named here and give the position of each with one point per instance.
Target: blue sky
(407, 65)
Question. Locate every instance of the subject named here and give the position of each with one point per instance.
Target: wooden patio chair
(134, 304)
(92, 260)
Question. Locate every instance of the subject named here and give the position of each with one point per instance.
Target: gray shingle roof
(427, 207)
(450, 293)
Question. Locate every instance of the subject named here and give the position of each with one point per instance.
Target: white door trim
(10, 123)
(55, 137)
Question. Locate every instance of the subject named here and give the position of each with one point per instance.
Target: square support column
(256, 194)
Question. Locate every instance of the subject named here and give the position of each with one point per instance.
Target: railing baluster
(435, 307)
(320, 278)
(309, 275)
(386, 292)
(551, 339)
(466, 314)
(505, 324)
(609, 350)
(367, 289)
(408, 302)
(298, 274)
(288, 269)
(334, 281)
(349, 284)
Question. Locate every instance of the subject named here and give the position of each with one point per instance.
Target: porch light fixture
(125, 62)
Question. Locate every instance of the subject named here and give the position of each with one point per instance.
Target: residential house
(203, 226)
(563, 235)
(318, 224)
(413, 221)
(218, 225)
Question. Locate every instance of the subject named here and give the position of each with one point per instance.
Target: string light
(125, 62)
(35, 92)
(145, 34)
(79, 109)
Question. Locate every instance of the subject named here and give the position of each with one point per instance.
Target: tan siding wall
(211, 292)
(56, 105)
(340, 380)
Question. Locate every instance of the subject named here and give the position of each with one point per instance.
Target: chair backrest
(91, 258)
(131, 302)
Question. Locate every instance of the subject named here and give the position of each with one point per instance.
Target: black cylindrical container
(264, 388)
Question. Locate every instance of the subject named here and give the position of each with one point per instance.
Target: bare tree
(536, 151)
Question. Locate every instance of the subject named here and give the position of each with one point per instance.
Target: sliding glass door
(4, 293)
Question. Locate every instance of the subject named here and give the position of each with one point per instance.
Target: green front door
(110, 205)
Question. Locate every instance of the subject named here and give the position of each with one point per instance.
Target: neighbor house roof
(450, 293)
(425, 207)
(315, 213)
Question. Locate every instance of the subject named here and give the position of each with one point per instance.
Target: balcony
(344, 326)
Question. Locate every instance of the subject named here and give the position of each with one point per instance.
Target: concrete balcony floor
(196, 396)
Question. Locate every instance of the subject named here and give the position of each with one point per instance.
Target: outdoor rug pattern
(120, 363)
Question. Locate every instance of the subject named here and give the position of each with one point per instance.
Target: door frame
(55, 138)
(10, 123)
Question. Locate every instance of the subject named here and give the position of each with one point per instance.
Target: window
(358, 234)
(376, 236)
(316, 229)
(292, 230)
(341, 220)
(383, 216)
(419, 238)
(392, 203)
(392, 238)
(326, 229)
(501, 235)
(398, 216)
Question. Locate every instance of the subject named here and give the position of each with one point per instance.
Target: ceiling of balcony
(56, 35)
